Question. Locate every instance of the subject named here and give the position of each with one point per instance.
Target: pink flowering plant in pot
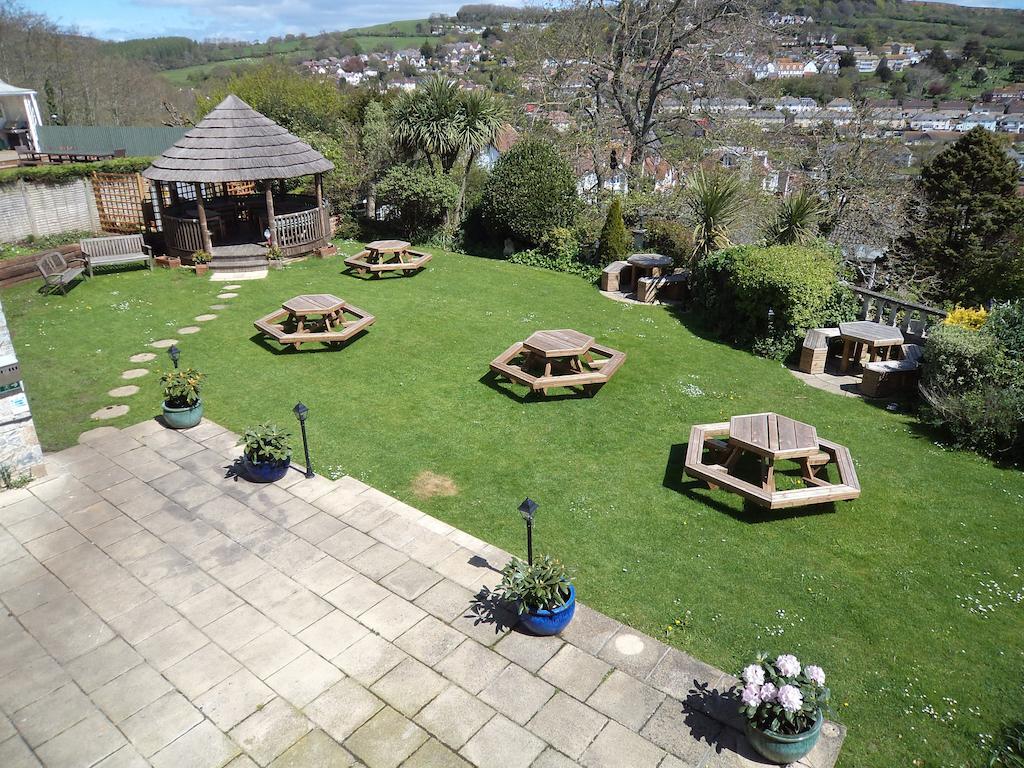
(784, 705)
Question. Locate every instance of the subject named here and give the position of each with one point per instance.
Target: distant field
(185, 75)
(371, 42)
(406, 27)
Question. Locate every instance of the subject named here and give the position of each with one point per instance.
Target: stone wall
(20, 452)
(33, 209)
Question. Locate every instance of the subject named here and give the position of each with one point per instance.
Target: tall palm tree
(715, 201)
(795, 221)
(425, 120)
(479, 122)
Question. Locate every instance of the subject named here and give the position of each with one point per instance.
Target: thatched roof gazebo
(208, 184)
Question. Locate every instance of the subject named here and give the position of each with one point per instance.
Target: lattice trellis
(119, 201)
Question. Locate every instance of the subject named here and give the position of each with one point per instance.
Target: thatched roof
(234, 142)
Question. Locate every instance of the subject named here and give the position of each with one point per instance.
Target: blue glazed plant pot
(183, 418)
(784, 748)
(551, 622)
(265, 471)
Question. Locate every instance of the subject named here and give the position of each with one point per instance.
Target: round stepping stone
(126, 391)
(142, 357)
(232, 287)
(189, 329)
(228, 295)
(109, 412)
(629, 645)
(204, 318)
(218, 306)
(134, 373)
(164, 343)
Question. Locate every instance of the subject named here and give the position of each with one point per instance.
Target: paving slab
(347, 628)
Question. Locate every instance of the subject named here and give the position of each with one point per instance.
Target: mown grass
(879, 591)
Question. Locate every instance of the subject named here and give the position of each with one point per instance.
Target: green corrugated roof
(136, 141)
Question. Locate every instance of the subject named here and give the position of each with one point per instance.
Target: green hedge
(557, 263)
(58, 174)
(735, 288)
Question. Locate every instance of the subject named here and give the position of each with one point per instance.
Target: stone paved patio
(160, 613)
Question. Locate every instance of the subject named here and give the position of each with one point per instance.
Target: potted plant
(544, 597)
(168, 262)
(267, 453)
(201, 261)
(326, 251)
(784, 706)
(275, 258)
(182, 406)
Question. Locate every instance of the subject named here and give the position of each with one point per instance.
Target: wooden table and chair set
(388, 256)
(715, 450)
(548, 360)
(314, 317)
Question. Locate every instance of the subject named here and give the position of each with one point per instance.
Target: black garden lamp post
(527, 509)
(302, 412)
(175, 353)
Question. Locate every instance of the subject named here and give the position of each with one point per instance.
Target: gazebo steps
(238, 265)
(239, 258)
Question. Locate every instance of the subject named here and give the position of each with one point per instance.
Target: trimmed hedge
(557, 263)
(736, 287)
(58, 174)
(530, 191)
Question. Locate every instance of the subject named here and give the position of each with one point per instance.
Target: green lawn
(883, 591)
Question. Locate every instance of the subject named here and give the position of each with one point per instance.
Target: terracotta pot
(202, 269)
(327, 251)
(168, 262)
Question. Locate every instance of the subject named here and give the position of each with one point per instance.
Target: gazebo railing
(182, 237)
(300, 228)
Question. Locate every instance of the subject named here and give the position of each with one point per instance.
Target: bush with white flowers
(781, 695)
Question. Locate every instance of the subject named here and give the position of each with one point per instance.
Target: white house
(1012, 124)
(867, 64)
(934, 121)
(19, 117)
(840, 105)
(975, 119)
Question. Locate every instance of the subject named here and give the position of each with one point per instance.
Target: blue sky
(256, 19)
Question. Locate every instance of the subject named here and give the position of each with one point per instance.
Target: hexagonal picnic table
(566, 359)
(388, 255)
(771, 437)
(288, 324)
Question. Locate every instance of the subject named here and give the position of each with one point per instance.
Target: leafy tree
(530, 191)
(795, 221)
(1017, 70)
(615, 240)
(480, 119)
(972, 48)
(971, 230)
(847, 60)
(980, 75)
(714, 201)
(883, 71)
(938, 59)
(418, 198)
(377, 144)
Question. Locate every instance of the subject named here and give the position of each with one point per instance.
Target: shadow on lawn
(676, 480)
(499, 384)
(288, 349)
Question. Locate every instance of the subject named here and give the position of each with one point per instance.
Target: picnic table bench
(388, 256)
(877, 338)
(771, 438)
(115, 249)
(294, 323)
(561, 358)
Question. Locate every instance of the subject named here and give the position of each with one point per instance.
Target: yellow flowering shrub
(967, 317)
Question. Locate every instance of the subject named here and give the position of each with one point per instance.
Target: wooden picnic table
(714, 450)
(648, 264)
(566, 358)
(772, 437)
(387, 255)
(323, 305)
(877, 338)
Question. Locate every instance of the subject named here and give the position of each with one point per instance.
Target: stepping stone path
(232, 287)
(142, 357)
(164, 343)
(204, 318)
(134, 373)
(109, 412)
(218, 306)
(126, 391)
(226, 295)
(189, 329)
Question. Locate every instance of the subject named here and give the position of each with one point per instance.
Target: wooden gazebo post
(271, 224)
(319, 183)
(201, 208)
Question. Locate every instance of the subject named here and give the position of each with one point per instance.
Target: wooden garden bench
(116, 249)
(815, 349)
(58, 272)
(615, 274)
(888, 377)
